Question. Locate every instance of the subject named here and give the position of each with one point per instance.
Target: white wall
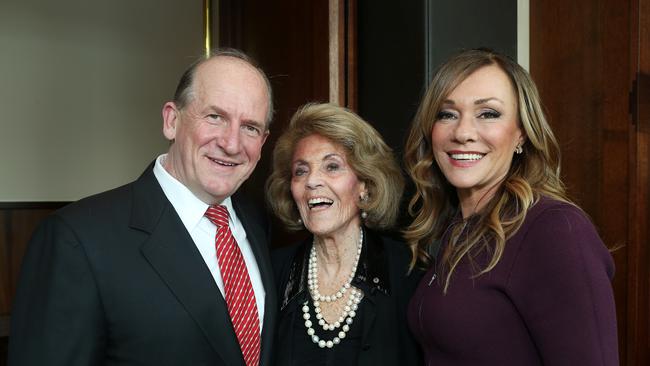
(82, 84)
(523, 33)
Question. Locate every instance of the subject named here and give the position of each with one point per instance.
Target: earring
(363, 198)
(299, 221)
(519, 149)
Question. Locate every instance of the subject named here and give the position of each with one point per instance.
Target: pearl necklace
(349, 311)
(312, 276)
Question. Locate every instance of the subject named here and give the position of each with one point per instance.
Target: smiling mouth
(467, 156)
(319, 202)
(222, 163)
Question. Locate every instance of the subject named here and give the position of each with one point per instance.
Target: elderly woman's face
(476, 132)
(325, 188)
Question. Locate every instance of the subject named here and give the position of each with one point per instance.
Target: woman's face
(476, 132)
(325, 188)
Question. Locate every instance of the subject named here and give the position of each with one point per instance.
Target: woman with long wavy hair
(517, 274)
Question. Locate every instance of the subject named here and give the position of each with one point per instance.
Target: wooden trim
(585, 58)
(630, 351)
(336, 52)
(32, 205)
(333, 37)
(351, 81)
(638, 320)
(343, 52)
(6, 285)
(17, 222)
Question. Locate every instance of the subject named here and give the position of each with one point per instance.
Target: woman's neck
(336, 253)
(473, 200)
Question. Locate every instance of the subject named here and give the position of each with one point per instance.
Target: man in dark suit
(136, 275)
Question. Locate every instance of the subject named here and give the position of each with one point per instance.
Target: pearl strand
(312, 276)
(355, 299)
(349, 311)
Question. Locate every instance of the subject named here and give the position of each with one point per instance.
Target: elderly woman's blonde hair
(366, 153)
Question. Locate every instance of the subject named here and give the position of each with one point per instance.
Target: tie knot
(218, 214)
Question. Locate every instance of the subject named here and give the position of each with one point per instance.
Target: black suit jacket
(115, 279)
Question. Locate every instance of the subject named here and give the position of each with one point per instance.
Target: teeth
(222, 162)
(466, 156)
(314, 201)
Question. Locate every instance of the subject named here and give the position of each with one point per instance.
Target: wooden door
(590, 59)
(638, 286)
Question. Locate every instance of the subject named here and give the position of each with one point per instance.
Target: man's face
(220, 132)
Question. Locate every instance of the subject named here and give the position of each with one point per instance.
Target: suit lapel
(172, 253)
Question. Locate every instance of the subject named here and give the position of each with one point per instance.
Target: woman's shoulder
(549, 210)
(546, 203)
(550, 219)
(398, 256)
(392, 243)
(554, 229)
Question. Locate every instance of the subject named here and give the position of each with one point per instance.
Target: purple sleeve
(560, 283)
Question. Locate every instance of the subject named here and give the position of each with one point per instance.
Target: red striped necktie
(237, 286)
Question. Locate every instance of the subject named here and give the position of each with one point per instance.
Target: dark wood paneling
(5, 285)
(17, 222)
(351, 57)
(22, 224)
(639, 284)
(289, 38)
(583, 58)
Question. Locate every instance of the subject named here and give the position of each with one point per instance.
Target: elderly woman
(345, 289)
(517, 273)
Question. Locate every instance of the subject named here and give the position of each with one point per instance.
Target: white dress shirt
(191, 210)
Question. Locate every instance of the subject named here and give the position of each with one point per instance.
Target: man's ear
(171, 118)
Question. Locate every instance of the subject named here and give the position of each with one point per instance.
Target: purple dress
(548, 301)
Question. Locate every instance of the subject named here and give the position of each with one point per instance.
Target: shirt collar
(190, 208)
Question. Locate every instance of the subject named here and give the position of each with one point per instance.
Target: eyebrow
(216, 109)
(258, 124)
(223, 112)
(326, 157)
(485, 100)
(476, 102)
(331, 155)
